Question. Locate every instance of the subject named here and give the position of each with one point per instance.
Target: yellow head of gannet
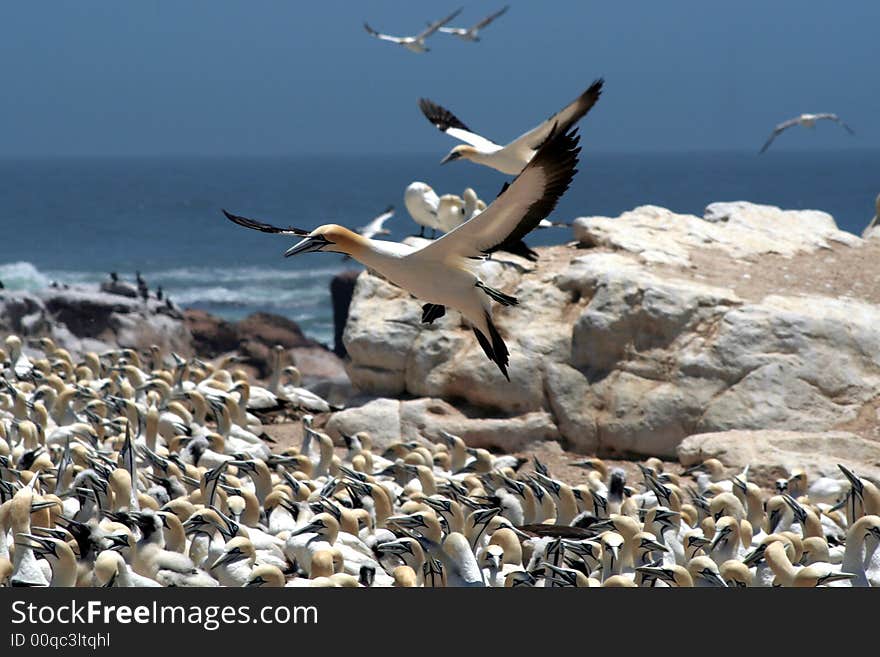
(404, 577)
(266, 576)
(704, 572)
(330, 238)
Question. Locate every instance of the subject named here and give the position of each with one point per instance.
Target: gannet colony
(129, 469)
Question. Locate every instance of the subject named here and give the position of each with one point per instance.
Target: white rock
(771, 455)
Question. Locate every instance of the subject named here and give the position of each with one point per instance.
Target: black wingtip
(440, 116)
(390, 208)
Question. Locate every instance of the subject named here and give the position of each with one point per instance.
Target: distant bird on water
(472, 33)
(414, 43)
(512, 157)
(443, 273)
(806, 120)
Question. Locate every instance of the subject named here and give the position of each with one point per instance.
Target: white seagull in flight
(414, 43)
(512, 157)
(471, 33)
(443, 273)
(806, 120)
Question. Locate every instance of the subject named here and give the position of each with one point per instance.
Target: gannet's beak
(713, 578)
(310, 244)
(754, 556)
(655, 546)
(40, 546)
(834, 577)
(313, 526)
(117, 542)
(660, 573)
(453, 155)
(720, 536)
(230, 557)
(853, 479)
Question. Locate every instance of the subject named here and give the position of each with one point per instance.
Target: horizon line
(353, 155)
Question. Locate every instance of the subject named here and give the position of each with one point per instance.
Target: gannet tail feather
(497, 295)
(496, 350)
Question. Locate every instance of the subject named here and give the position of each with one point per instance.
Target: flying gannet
(443, 273)
(414, 43)
(472, 33)
(512, 157)
(806, 120)
(377, 225)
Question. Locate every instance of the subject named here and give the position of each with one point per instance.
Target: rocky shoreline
(749, 334)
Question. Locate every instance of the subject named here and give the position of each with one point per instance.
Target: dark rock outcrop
(341, 292)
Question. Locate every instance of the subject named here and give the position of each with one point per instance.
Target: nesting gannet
(512, 157)
(422, 203)
(450, 212)
(414, 43)
(472, 33)
(790, 575)
(57, 552)
(806, 120)
(111, 570)
(442, 273)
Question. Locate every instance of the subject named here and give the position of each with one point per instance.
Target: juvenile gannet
(806, 120)
(514, 156)
(414, 43)
(472, 33)
(442, 273)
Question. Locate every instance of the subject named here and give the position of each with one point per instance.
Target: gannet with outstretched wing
(414, 43)
(377, 225)
(512, 157)
(472, 33)
(806, 120)
(443, 273)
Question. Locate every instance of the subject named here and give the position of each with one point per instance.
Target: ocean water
(74, 220)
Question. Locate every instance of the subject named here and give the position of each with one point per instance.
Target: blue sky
(273, 77)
